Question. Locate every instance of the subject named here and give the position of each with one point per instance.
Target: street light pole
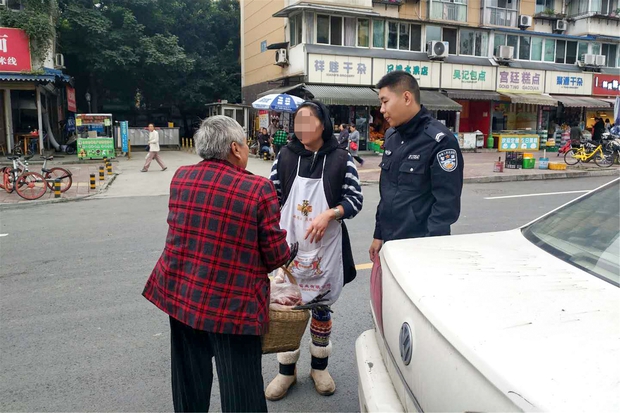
(87, 96)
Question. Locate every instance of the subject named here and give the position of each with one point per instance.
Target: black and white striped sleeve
(352, 198)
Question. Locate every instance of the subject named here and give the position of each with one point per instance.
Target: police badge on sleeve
(447, 160)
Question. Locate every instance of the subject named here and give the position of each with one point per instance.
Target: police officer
(421, 170)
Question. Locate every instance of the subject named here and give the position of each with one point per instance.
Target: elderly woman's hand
(318, 226)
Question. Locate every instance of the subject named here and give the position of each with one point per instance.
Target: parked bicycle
(589, 151)
(28, 185)
(54, 173)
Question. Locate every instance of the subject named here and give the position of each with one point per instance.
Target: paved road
(77, 336)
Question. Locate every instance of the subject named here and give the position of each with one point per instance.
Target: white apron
(317, 266)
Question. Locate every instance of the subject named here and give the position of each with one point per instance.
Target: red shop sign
(14, 50)
(71, 99)
(606, 85)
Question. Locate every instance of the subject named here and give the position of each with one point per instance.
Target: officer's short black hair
(401, 81)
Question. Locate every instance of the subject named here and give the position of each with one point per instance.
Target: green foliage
(37, 19)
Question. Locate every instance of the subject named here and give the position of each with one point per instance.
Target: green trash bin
(490, 142)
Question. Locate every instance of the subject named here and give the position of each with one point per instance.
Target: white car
(521, 320)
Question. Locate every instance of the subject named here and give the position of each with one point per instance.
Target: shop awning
(278, 90)
(581, 102)
(531, 98)
(48, 75)
(436, 101)
(344, 95)
(472, 95)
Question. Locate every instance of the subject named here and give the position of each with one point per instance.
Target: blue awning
(48, 75)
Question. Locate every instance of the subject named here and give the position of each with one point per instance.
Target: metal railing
(448, 11)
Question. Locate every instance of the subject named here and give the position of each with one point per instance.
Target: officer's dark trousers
(237, 358)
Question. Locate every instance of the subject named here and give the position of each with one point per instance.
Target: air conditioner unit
(588, 59)
(525, 21)
(437, 50)
(561, 25)
(282, 57)
(600, 60)
(506, 52)
(59, 60)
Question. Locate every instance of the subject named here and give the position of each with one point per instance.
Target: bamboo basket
(286, 328)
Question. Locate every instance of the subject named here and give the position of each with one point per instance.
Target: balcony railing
(448, 11)
(500, 17)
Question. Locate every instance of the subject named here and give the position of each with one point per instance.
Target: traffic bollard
(183, 143)
(92, 181)
(109, 168)
(105, 160)
(191, 144)
(101, 173)
(57, 188)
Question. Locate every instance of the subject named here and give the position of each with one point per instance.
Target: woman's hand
(318, 226)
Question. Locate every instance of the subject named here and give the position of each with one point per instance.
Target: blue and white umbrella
(278, 103)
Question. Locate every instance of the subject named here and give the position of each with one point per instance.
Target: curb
(15, 205)
(530, 177)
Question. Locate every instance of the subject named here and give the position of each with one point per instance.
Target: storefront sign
(606, 85)
(569, 83)
(518, 143)
(95, 148)
(468, 77)
(14, 50)
(263, 118)
(426, 73)
(520, 80)
(125, 136)
(342, 70)
(71, 105)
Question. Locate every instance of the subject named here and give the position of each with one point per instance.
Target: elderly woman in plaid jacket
(223, 239)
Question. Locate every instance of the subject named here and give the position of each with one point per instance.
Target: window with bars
(452, 10)
(501, 12)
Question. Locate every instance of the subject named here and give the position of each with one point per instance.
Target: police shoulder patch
(447, 159)
(435, 133)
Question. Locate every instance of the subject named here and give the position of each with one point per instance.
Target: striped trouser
(237, 359)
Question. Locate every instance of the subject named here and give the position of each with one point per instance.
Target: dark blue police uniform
(421, 180)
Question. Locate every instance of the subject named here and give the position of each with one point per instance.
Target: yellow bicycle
(586, 152)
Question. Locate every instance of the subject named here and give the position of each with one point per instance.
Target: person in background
(153, 150)
(607, 125)
(354, 144)
(264, 143)
(280, 139)
(343, 136)
(576, 135)
(211, 280)
(273, 128)
(598, 130)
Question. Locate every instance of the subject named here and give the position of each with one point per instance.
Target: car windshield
(584, 233)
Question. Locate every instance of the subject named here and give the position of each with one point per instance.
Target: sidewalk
(479, 168)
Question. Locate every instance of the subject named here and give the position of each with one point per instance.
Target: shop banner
(95, 148)
(263, 118)
(426, 73)
(71, 105)
(125, 136)
(518, 143)
(606, 85)
(341, 70)
(568, 83)
(468, 77)
(511, 80)
(14, 50)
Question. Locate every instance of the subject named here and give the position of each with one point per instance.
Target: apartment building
(516, 64)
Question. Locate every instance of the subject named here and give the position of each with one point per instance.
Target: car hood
(537, 327)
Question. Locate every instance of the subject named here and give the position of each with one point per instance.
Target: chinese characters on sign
(569, 83)
(468, 77)
(14, 50)
(339, 69)
(415, 70)
(426, 73)
(520, 80)
(606, 85)
(71, 103)
(518, 143)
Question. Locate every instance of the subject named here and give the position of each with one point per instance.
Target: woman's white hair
(215, 135)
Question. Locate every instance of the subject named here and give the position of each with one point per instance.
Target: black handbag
(148, 147)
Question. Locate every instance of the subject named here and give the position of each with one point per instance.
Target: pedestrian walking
(280, 139)
(211, 279)
(153, 150)
(421, 171)
(343, 136)
(354, 144)
(318, 186)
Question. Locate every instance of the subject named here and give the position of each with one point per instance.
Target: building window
(392, 35)
(450, 36)
(322, 29)
(498, 40)
(295, 26)
(581, 50)
(433, 33)
(585, 7)
(501, 13)
(595, 48)
(536, 47)
(416, 37)
(560, 51)
(578, 7)
(549, 50)
(474, 43)
(14, 4)
(524, 48)
(363, 32)
(350, 24)
(543, 6)
(611, 51)
(571, 53)
(604, 7)
(335, 30)
(454, 10)
(403, 36)
(309, 28)
(378, 33)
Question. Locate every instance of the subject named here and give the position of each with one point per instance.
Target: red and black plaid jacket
(223, 239)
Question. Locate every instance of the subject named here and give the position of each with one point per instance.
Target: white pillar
(40, 119)
(8, 117)
(457, 123)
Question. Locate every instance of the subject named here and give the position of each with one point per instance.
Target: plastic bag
(283, 292)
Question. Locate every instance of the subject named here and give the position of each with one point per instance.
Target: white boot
(279, 386)
(323, 382)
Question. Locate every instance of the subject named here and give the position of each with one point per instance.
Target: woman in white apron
(318, 186)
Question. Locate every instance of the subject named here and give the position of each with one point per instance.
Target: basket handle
(290, 276)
